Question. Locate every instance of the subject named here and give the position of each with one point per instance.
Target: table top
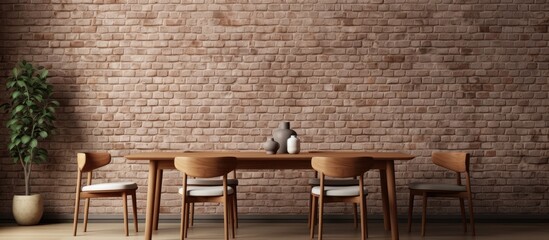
(262, 156)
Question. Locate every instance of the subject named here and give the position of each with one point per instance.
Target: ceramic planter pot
(27, 209)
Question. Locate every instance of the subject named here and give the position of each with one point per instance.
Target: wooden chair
(339, 168)
(314, 182)
(233, 183)
(457, 162)
(207, 167)
(87, 162)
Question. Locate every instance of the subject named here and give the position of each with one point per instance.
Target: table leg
(391, 189)
(153, 167)
(384, 199)
(157, 194)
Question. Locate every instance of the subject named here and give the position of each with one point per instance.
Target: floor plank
(272, 231)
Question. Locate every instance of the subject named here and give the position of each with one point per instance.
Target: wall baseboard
(168, 218)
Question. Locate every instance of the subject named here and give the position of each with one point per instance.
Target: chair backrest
(202, 151)
(455, 161)
(205, 167)
(342, 167)
(89, 161)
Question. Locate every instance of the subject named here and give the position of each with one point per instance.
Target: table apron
(262, 165)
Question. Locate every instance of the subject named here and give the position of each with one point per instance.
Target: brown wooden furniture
(340, 167)
(384, 161)
(314, 182)
(87, 162)
(206, 167)
(457, 162)
(233, 183)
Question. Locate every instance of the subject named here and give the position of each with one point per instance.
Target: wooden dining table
(383, 161)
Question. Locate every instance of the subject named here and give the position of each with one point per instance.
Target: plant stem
(22, 161)
(27, 180)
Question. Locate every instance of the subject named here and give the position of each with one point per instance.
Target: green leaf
(27, 159)
(21, 83)
(25, 139)
(44, 134)
(39, 98)
(18, 108)
(11, 122)
(15, 94)
(44, 74)
(15, 72)
(34, 143)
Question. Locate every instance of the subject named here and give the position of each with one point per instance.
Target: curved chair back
(89, 161)
(342, 167)
(205, 167)
(455, 161)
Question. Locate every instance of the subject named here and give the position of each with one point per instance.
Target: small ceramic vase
(281, 135)
(270, 146)
(292, 145)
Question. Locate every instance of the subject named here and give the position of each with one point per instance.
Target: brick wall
(384, 75)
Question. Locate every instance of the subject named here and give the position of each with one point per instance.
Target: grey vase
(270, 146)
(281, 135)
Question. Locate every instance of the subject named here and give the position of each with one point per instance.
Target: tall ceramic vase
(281, 135)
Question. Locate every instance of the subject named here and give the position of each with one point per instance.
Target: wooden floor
(272, 231)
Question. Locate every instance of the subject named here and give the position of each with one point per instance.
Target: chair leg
(76, 210)
(320, 216)
(183, 227)
(424, 215)
(235, 208)
(366, 217)
(232, 214)
(226, 217)
(463, 218)
(125, 199)
(86, 211)
(134, 206)
(471, 214)
(363, 219)
(312, 216)
(191, 215)
(410, 211)
(187, 219)
(355, 217)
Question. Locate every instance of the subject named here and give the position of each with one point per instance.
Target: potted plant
(31, 115)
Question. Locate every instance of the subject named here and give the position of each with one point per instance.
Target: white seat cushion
(437, 187)
(206, 191)
(334, 182)
(339, 191)
(113, 186)
(210, 182)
